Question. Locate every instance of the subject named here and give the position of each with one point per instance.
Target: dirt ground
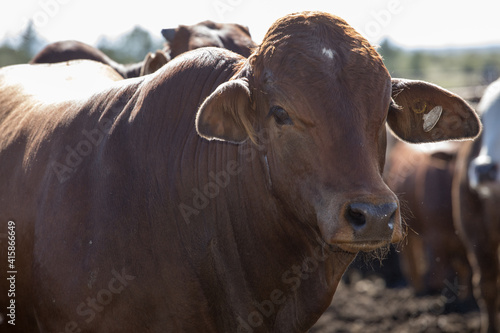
(367, 305)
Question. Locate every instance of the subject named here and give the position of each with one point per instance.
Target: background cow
(433, 255)
(231, 36)
(476, 197)
(73, 50)
(182, 39)
(218, 194)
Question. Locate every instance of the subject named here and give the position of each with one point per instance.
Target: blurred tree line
(446, 67)
(24, 50)
(449, 68)
(128, 48)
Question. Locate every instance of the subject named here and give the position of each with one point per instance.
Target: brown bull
(218, 194)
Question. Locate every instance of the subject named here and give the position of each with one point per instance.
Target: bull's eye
(280, 115)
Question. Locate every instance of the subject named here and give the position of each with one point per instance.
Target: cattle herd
(225, 186)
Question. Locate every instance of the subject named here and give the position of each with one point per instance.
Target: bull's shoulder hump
(206, 56)
(190, 69)
(60, 82)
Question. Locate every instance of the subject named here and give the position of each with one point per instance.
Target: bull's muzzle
(371, 222)
(361, 224)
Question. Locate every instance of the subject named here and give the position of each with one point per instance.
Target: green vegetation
(24, 51)
(446, 67)
(130, 47)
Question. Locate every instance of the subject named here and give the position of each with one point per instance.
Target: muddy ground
(367, 305)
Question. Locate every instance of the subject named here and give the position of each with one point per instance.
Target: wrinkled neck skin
(216, 219)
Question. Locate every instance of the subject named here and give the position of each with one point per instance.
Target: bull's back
(37, 101)
(51, 83)
(66, 51)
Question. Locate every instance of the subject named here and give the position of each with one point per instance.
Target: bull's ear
(428, 113)
(226, 114)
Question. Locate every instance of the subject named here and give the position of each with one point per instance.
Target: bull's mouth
(355, 247)
(366, 246)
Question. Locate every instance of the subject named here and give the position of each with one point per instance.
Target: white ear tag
(431, 118)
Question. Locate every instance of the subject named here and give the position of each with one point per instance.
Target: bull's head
(322, 96)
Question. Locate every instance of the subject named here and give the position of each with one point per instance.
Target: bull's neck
(251, 244)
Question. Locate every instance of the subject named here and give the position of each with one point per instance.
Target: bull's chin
(356, 247)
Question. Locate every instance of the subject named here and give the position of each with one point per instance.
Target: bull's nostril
(356, 217)
(372, 221)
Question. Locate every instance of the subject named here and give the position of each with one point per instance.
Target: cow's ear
(226, 114)
(153, 62)
(428, 113)
(168, 34)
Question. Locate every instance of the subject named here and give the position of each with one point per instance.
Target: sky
(408, 23)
